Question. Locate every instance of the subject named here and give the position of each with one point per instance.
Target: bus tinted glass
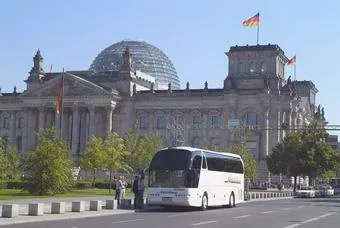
(171, 159)
(222, 163)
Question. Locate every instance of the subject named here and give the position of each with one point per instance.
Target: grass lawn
(11, 194)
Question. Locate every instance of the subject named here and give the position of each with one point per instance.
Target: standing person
(135, 191)
(140, 192)
(123, 184)
(118, 190)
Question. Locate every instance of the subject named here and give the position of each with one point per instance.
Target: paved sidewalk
(25, 218)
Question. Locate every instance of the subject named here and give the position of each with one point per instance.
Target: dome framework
(145, 58)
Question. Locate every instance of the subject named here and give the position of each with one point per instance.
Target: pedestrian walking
(135, 191)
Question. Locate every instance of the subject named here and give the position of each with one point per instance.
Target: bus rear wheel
(232, 200)
(204, 204)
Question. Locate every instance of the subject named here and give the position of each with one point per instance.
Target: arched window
(160, 118)
(6, 122)
(143, 122)
(215, 121)
(251, 119)
(21, 123)
(196, 120)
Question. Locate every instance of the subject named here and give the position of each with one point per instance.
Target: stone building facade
(254, 102)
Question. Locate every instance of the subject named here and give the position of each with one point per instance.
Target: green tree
(140, 148)
(14, 163)
(49, 165)
(288, 157)
(94, 158)
(3, 161)
(323, 160)
(115, 155)
(250, 165)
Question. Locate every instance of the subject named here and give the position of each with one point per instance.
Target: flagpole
(258, 29)
(295, 72)
(62, 105)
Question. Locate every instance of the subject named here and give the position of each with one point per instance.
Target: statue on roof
(289, 80)
(323, 113)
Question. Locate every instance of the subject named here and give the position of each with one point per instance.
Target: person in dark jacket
(135, 191)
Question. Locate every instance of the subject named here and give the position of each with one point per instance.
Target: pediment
(73, 86)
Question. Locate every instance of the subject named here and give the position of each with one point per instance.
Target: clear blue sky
(194, 34)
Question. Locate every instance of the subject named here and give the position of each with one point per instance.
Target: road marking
(242, 216)
(309, 220)
(286, 209)
(132, 220)
(202, 223)
(301, 206)
(175, 215)
(267, 212)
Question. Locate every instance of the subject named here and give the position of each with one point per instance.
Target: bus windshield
(171, 168)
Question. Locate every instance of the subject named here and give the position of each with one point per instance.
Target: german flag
(60, 91)
(253, 21)
(292, 61)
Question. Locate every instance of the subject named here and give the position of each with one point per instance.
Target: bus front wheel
(204, 205)
(232, 200)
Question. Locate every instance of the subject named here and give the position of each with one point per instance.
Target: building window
(263, 67)
(178, 120)
(160, 122)
(196, 141)
(21, 123)
(143, 122)
(251, 67)
(215, 141)
(196, 122)
(252, 147)
(251, 119)
(241, 68)
(215, 121)
(6, 122)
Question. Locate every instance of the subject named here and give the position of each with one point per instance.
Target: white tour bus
(186, 176)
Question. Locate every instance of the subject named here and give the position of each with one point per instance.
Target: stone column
(265, 140)
(109, 111)
(25, 130)
(13, 128)
(41, 119)
(92, 129)
(75, 130)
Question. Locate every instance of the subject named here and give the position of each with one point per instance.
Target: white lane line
(309, 220)
(286, 209)
(132, 220)
(242, 216)
(267, 212)
(202, 223)
(175, 215)
(301, 206)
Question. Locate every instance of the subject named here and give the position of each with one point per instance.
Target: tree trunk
(294, 190)
(110, 181)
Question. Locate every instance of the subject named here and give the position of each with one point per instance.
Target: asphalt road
(288, 213)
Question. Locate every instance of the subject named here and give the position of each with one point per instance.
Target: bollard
(111, 204)
(95, 205)
(78, 206)
(125, 204)
(35, 209)
(57, 207)
(10, 210)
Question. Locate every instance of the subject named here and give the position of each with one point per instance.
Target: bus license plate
(167, 199)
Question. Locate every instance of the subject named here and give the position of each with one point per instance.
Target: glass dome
(145, 58)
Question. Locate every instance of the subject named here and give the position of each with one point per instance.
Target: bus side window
(196, 163)
(204, 164)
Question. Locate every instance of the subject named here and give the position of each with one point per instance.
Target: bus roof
(192, 149)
